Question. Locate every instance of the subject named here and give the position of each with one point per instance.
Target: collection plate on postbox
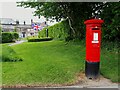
(95, 35)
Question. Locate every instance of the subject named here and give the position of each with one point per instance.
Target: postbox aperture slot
(95, 28)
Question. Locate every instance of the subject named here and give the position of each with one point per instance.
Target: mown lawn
(53, 62)
(110, 65)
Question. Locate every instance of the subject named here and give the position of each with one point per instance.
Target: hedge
(15, 35)
(57, 31)
(9, 37)
(39, 39)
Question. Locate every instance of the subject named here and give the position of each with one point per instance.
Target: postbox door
(95, 44)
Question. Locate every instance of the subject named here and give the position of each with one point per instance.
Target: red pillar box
(93, 40)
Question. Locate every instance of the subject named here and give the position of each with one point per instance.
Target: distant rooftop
(7, 21)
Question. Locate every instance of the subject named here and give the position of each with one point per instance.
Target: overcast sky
(10, 10)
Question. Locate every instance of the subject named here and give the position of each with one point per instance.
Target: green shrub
(39, 39)
(110, 46)
(0, 34)
(9, 55)
(0, 38)
(15, 35)
(57, 31)
(9, 37)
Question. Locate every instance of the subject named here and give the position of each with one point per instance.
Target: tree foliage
(77, 12)
(0, 34)
(111, 16)
(74, 12)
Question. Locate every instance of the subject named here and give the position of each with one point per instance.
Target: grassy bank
(45, 63)
(53, 62)
(109, 64)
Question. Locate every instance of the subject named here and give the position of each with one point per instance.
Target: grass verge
(53, 62)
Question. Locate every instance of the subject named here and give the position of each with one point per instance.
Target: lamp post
(46, 29)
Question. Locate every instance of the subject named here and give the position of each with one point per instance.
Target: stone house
(24, 30)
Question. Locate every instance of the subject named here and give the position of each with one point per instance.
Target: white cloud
(10, 10)
(11, 0)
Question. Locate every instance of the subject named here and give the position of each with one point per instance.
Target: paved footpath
(98, 83)
(101, 82)
(83, 82)
(17, 42)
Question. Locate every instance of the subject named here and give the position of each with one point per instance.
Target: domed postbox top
(94, 21)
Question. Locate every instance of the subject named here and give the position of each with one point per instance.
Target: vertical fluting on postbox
(93, 44)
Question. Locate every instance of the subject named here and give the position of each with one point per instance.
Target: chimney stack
(24, 22)
(17, 22)
(31, 21)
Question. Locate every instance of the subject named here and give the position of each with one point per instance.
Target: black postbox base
(92, 70)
